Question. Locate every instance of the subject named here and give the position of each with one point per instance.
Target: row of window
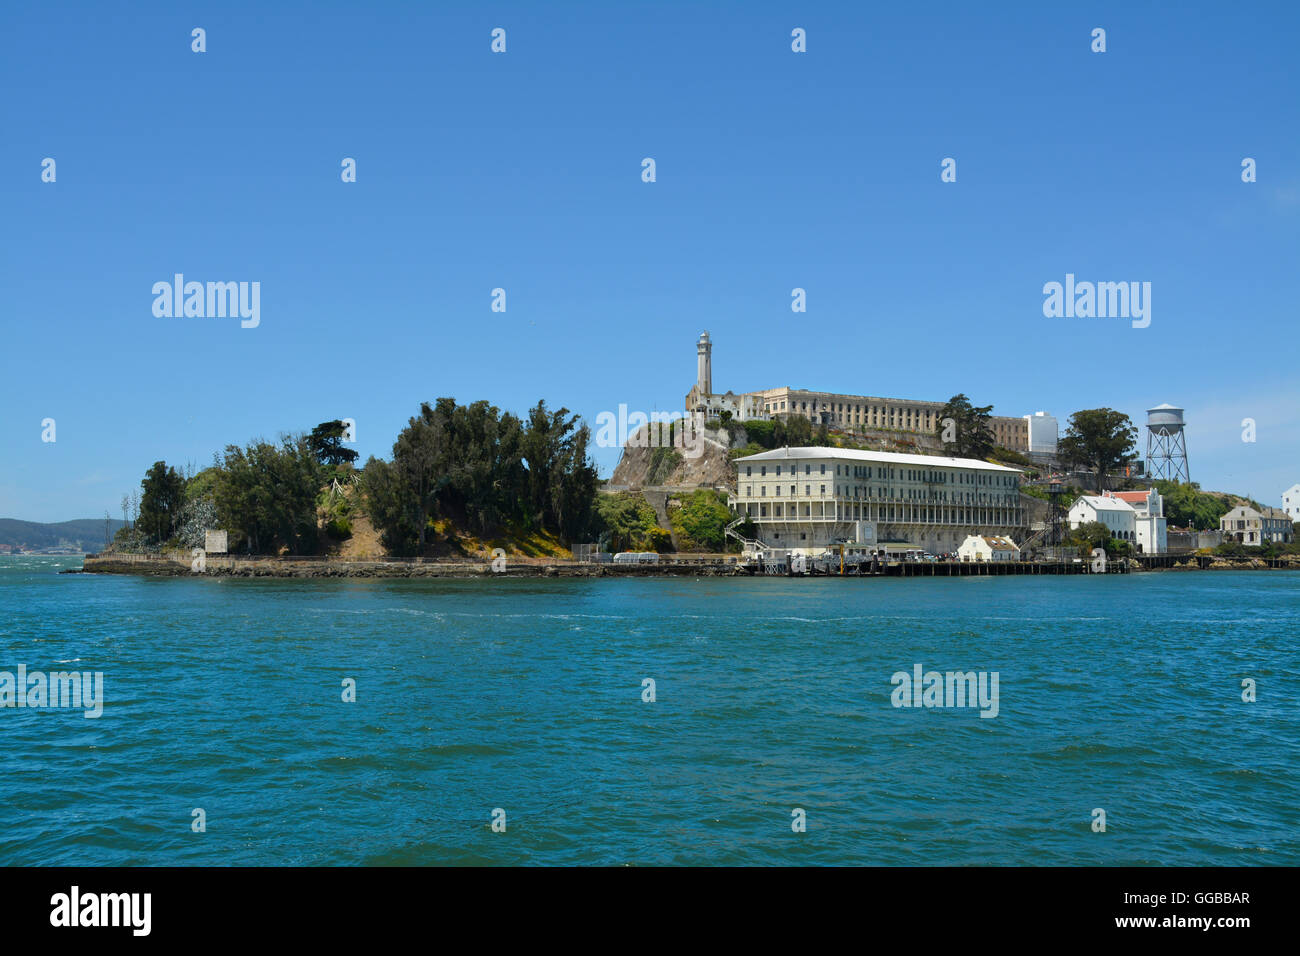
(929, 476)
(886, 416)
(912, 515)
(892, 494)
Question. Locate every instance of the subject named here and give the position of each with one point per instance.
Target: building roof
(1104, 503)
(1271, 512)
(1133, 497)
(1242, 511)
(883, 457)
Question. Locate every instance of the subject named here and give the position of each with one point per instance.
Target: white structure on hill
(808, 499)
(1043, 433)
(1148, 518)
(834, 409)
(704, 363)
(703, 405)
(1291, 502)
(1116, 514)
(988, 548)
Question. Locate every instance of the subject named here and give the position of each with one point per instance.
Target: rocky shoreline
(224, 566)
(281, 568)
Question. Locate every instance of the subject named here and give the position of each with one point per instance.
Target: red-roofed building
(1149, 509)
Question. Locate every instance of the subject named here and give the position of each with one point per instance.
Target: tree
(629, 523)
(473, 462)
(162, 494)
(701, 519)
(762, 432)
(964, 428)
(1094, 534)
(326, 443)
(1099, 438)
(1089, 535)
(1187, 506)
(266, 495)
(796, 431)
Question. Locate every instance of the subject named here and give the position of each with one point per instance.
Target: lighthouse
(704, 365)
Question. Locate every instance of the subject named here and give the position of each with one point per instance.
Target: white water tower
(1166, 444)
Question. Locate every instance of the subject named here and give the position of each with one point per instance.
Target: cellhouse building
(809, 499)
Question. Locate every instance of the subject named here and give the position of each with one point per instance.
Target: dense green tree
(266, 496)
(628, 523)
(964, 428)
(700, 520)
(761, 433)
(473, 463)
(326, 444)
(162, 494)
(796, 431)
(1099, 438)
(1094, 534)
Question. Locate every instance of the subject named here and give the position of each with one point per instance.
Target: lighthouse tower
(704, 365)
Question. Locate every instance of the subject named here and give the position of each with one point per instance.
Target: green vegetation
(452, 464)
(630, 524)
(794, 432)
(1009, 457)
(486, 469)
(266, 496)
(161, 498)
(1100, 438)
(700, 520)
(964, 428)
(1270, 549)
(745, 451)
(1068, 495)
(1186, 506)
(1094, 534)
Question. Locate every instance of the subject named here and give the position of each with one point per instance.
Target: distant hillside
(83, 534)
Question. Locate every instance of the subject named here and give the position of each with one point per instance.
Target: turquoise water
(1115, 692)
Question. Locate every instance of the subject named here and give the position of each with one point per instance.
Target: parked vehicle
(636, 557)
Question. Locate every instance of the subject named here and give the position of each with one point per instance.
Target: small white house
(1291, 502)
(979, 547)
(1115, 513)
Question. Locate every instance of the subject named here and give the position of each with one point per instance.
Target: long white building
(807, 499)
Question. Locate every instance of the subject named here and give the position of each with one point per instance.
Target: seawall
(259, 567)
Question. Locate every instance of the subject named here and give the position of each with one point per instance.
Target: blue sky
(522, 170)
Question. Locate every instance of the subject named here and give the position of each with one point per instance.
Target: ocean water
(1118, 692)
